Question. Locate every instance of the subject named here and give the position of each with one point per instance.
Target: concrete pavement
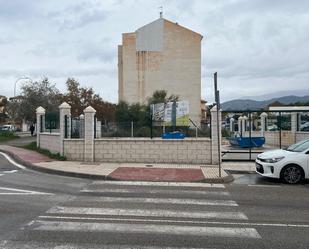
(127, 171)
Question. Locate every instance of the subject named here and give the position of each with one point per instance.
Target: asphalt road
(47, 211)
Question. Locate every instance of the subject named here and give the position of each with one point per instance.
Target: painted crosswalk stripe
(146, 229)
(170, 201)
(15, 191)
(162, 184)
(196, 222)
(147, 213)
(157, 191)
(6, 244)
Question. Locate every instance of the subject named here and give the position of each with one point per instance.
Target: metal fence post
(279, 124)
(95, 126)
(250, 135)
(66, 126)
(132, 129)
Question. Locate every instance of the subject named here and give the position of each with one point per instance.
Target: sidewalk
(126, 171)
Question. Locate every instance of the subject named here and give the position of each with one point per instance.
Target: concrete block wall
(145, 150)
(272, 138)
(50, 141)
(74, 149)
(301, 136)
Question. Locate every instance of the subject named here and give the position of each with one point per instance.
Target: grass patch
(57, 156)
(7, 135)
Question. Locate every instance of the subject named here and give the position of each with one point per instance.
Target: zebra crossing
(138, 213)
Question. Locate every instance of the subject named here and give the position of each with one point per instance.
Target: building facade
(161, 55)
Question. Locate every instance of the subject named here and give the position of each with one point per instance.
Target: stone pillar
(263, 117)
(232, 125)
(40, 123)
(81, 126)
(240, 125)
(244, 125)
(65, 111)
(215, 157)
(89, 134)
(294, 122)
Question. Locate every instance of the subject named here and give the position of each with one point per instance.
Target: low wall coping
(74, 139)
(50, 134)
(154, 139)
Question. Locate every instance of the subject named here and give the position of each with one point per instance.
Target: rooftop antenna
(161, 11)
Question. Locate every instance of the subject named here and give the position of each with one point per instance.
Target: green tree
(138, 113)
(81, 97)
(160, 96)
(34, 94)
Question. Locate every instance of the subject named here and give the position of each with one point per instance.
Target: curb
(53, 171)
(240, 172)
(227, 179)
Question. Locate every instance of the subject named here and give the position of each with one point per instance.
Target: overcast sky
(257, 46)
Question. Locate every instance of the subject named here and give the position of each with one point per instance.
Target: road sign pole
(217, 99)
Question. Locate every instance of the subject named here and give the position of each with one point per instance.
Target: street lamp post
(22, 78)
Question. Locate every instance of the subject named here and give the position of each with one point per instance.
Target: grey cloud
(57, 72)
(78, 15)
(14, 10)
(102, 50)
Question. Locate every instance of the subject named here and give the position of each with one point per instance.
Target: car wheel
(292, 174)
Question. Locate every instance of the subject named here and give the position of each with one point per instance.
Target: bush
(33, 146)
(7, 135)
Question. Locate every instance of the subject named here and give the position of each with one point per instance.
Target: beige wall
(301, 136)
(50, 141)
(74, 149)
(287, 137)
(144, 150)
(193, 151)
(176, 69)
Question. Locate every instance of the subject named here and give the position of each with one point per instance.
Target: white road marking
(11, 161)
(263, 186)
(151, 191)
(145, 212)
(146, 229)
(171, 201)
(163, 184)
(287, 225)
(15, 191)
(58, 245)
(10, 171)
(1, 174)
(124, 247)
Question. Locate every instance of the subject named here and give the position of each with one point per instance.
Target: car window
(299, 147)
(293, 146)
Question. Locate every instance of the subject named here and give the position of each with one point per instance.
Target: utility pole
(217, 99)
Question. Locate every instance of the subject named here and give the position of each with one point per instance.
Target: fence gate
(245, 134)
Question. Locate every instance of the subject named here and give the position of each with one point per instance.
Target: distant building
(161, 55)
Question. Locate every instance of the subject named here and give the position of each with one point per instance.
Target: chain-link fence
(248, 133)
(52, 122)
(133, 129)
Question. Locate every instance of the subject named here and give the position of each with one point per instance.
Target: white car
(290, 165)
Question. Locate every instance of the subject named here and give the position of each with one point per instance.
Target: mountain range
(250, 104)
